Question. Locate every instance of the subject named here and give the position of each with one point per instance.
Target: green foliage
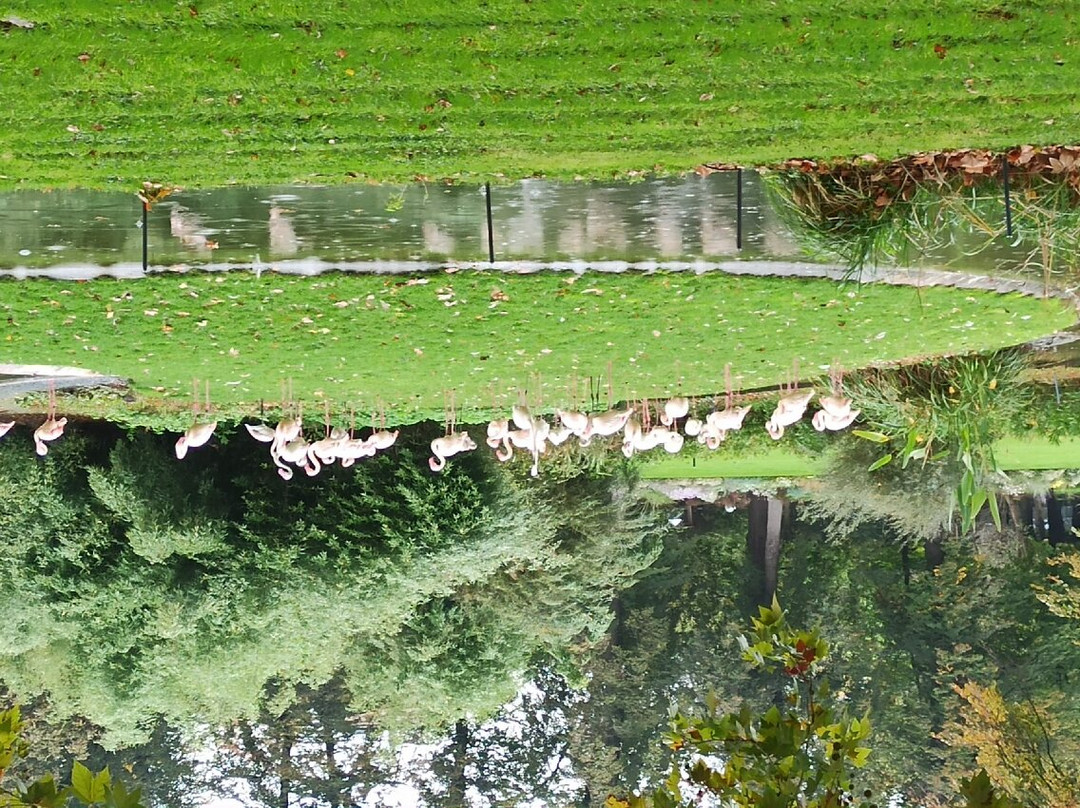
(87, 788)
(947, 411)
(165, 512)
(1054, 415)
(841, 219)
(979, 793)
(1062, 597)
(807, 751)
(429, 593)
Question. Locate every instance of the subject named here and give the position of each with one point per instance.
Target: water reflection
(283, 240)
(678, 219)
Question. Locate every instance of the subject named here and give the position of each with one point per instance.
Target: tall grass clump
(868, 214)
(930, 429)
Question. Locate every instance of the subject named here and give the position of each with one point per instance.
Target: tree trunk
(1038, 508)
(772, 546)
(935, 554)
(763, 543)
(757, 529)
(457, 781)
(1058, 533)
(285, 785)
(1027, 516)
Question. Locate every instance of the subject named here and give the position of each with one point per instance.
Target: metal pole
(491, 230)
(1008, 199)
(145, 237)
(738, 209)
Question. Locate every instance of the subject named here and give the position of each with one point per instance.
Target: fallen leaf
(940, 51)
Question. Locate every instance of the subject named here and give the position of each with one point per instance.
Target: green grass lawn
(779, 462)
(1012, 454)
(208, 93)
(1028, 453)
(355, 340)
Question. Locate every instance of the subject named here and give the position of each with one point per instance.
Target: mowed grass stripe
(355, 339)
(557, 88)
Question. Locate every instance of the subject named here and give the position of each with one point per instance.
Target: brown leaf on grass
(341, 53)
(499, 295)
(974, 162)
(940, 51)
(84, 57)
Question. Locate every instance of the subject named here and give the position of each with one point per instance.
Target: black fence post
(1008, 199)
(738, 208)
(491, 229)
(145, 237)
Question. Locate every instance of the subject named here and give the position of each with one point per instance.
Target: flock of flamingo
(523, 430)
(532, 433)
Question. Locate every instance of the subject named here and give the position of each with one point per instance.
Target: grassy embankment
(203, 94)
(1012, 453)
(354, 340)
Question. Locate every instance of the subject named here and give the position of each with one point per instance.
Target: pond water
(380, 228)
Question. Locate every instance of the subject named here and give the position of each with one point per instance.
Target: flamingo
(448, 445)
(325, 451)
(521, 416)
(791, 406)
(497, 431)
(197, 434)
(452, 442)
(606, 423)
(836, 404)
(51, 429)
(383, 439)
(632, 432)
(576, 422)
(823, 419)
(6, 427)
(674, 409)
(261, 432)
(789, 410)
(537, 435)
(719, 423)
(352, 449)
(295, 451)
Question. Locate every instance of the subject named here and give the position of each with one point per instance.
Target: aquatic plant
(952, 410)
(867, 212)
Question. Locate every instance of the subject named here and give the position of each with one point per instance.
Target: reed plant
(864, 220)
(949, 411)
